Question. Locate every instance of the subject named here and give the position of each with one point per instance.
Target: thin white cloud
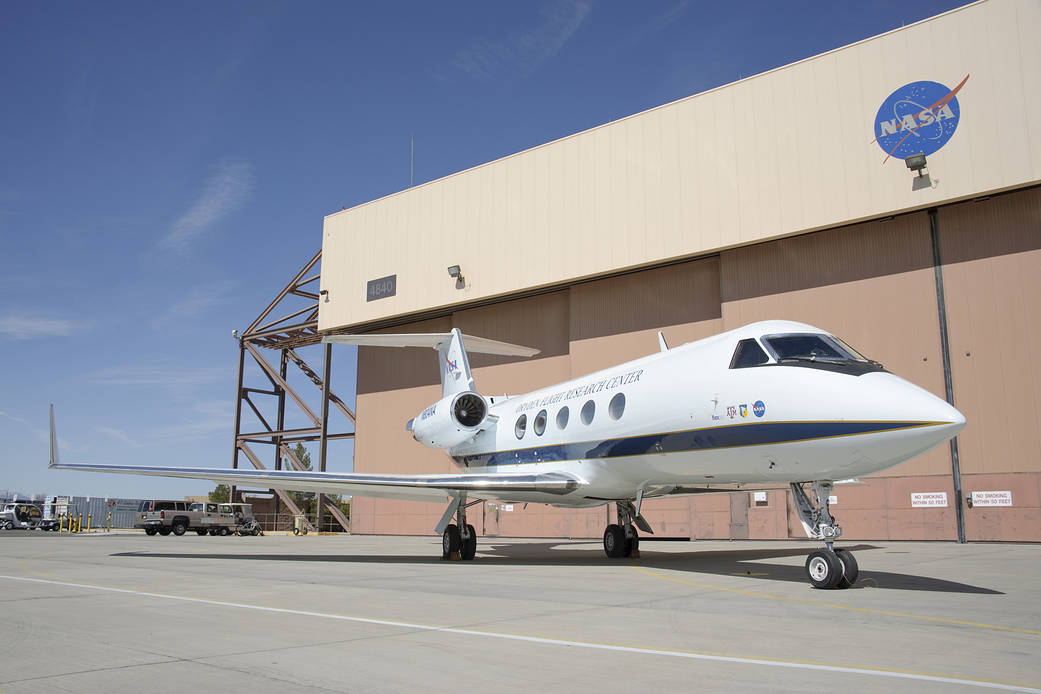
(524, 51)
(17, 327)
(199, 300)
(658, 22)
(157, 375)
(206, 419)
(12, 417)
(227, 188)
(120, 436)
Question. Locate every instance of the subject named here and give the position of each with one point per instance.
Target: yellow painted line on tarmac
(866, 610)
(690, 655)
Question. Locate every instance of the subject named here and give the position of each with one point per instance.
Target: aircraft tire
(614, 541)
(823, 568)
(451, 541)
(632, 544)
(178, 528)
(850, 570)
(469, 545)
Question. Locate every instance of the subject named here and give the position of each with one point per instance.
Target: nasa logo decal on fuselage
(758, 408)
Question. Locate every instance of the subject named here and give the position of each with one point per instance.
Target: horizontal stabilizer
(476, 345)
(452, 347)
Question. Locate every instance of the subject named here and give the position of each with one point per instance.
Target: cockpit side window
(748, 353)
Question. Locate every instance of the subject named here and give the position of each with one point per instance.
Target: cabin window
(588, 411)
(562, 416)
(748, 353)
(521, 426)
(540, 423)
(616, 407)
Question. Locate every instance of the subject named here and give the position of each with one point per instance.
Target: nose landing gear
(829, 567)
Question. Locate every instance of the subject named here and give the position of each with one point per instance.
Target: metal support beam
(948, 380)
(285, 336)
(323, 444)
(280, 382)
(238, 417)
(294, 284)
(320, 382)
(282, 495)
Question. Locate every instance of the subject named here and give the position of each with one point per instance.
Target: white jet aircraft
(771, 402)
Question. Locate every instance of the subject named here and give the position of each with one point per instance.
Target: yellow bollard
(61, 523)
(79, 524)
(88, 523)
(109, 529)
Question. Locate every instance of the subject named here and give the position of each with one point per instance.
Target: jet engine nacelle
(451, 421)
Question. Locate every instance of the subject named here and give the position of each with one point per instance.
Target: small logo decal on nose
(744, 410)
(759, 408)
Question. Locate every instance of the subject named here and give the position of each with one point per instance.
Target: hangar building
(783, 195)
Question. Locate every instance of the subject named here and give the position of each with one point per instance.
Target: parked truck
(202, 517)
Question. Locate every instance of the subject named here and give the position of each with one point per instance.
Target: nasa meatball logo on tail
(917, 118)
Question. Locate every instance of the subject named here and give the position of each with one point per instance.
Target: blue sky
(165, 169)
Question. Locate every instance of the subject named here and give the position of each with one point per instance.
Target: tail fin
(54, 441)
(455, 367)
(452, 361)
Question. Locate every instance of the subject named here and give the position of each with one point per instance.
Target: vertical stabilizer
(455, 367)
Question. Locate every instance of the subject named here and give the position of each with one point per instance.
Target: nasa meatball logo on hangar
(918, 118)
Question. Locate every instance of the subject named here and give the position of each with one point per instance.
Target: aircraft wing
(438, 487)
(442, 487)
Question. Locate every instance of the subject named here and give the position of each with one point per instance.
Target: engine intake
(451, 421)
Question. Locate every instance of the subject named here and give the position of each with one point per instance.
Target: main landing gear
(621, 539)
(828, 567)
(459, 539)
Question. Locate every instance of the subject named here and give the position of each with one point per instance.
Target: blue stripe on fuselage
(730, 436)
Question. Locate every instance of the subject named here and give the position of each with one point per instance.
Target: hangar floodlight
(916, 163)
(456, 272)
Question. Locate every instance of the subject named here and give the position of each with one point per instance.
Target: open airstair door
(451, 351)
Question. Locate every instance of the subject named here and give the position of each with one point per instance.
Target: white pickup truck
(204, 517)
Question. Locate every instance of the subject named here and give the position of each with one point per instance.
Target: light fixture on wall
(457, 273)
(916, 163)
(325, 293)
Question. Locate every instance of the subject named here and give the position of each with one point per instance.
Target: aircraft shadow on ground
(745, 563)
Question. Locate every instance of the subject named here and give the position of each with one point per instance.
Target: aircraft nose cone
(919, 405)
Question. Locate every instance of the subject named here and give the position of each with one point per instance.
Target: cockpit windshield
(811, 347)
(816, 350)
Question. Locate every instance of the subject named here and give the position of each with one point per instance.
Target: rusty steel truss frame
(283, 336)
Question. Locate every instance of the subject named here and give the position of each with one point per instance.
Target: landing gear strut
(621, 539)
(829, 567)
(459, 539)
